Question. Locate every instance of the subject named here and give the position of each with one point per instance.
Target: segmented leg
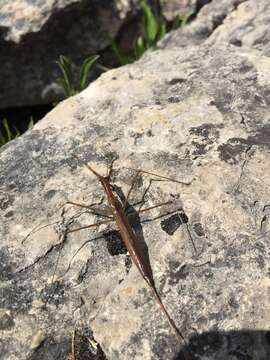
(131, 188)
(111, 220)
(162, 177)
(89, 226)
(95, 210)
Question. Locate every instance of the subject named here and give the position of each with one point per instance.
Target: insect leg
(95, 210)
(89, 226)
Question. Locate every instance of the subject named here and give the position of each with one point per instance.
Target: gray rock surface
(34, 33)
(199, 115)
(172, 8)
(208, 21)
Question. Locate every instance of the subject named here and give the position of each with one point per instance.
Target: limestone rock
(33, 34)
(172, 8)
(199, 115)
(208, 20)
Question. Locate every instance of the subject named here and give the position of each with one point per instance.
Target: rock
(208, 21)
(33, 34)
(172, 8)
(199, 115)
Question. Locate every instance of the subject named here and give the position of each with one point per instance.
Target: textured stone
(199, 115)
(210, 18)
(33, 34)
(172, 8)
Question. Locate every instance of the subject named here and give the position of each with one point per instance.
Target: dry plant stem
(131, 242)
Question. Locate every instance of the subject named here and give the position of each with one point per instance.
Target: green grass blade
(85, 68)
(180, 20)
(65, 81)
(177, 22)
(162, 30)
(139, 47)
(17, 134)
(3, 140)
(31, 123)
(186, 17)
(151, 26)
(7, 129)
(102, 67)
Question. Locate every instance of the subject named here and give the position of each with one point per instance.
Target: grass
(155, 27)
(9, 133)
(70, 85)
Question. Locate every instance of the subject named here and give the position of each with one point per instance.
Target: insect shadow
(228, 345)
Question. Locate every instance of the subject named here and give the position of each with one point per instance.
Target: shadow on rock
(231, 345)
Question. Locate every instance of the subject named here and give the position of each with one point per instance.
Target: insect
(118, 212)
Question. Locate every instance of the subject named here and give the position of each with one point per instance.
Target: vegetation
(67, 81)
(8, 133)
(154, 28)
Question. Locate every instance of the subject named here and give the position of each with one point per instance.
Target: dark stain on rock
(198, 229)
(54, 293)
(261, 137)
(171, 224)
(206, 130)
(177, 272)
(174, 99)
(231, 151)
(17, 297)
(114, 243)
(6, 322)
(206, 134)
(200, 148)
